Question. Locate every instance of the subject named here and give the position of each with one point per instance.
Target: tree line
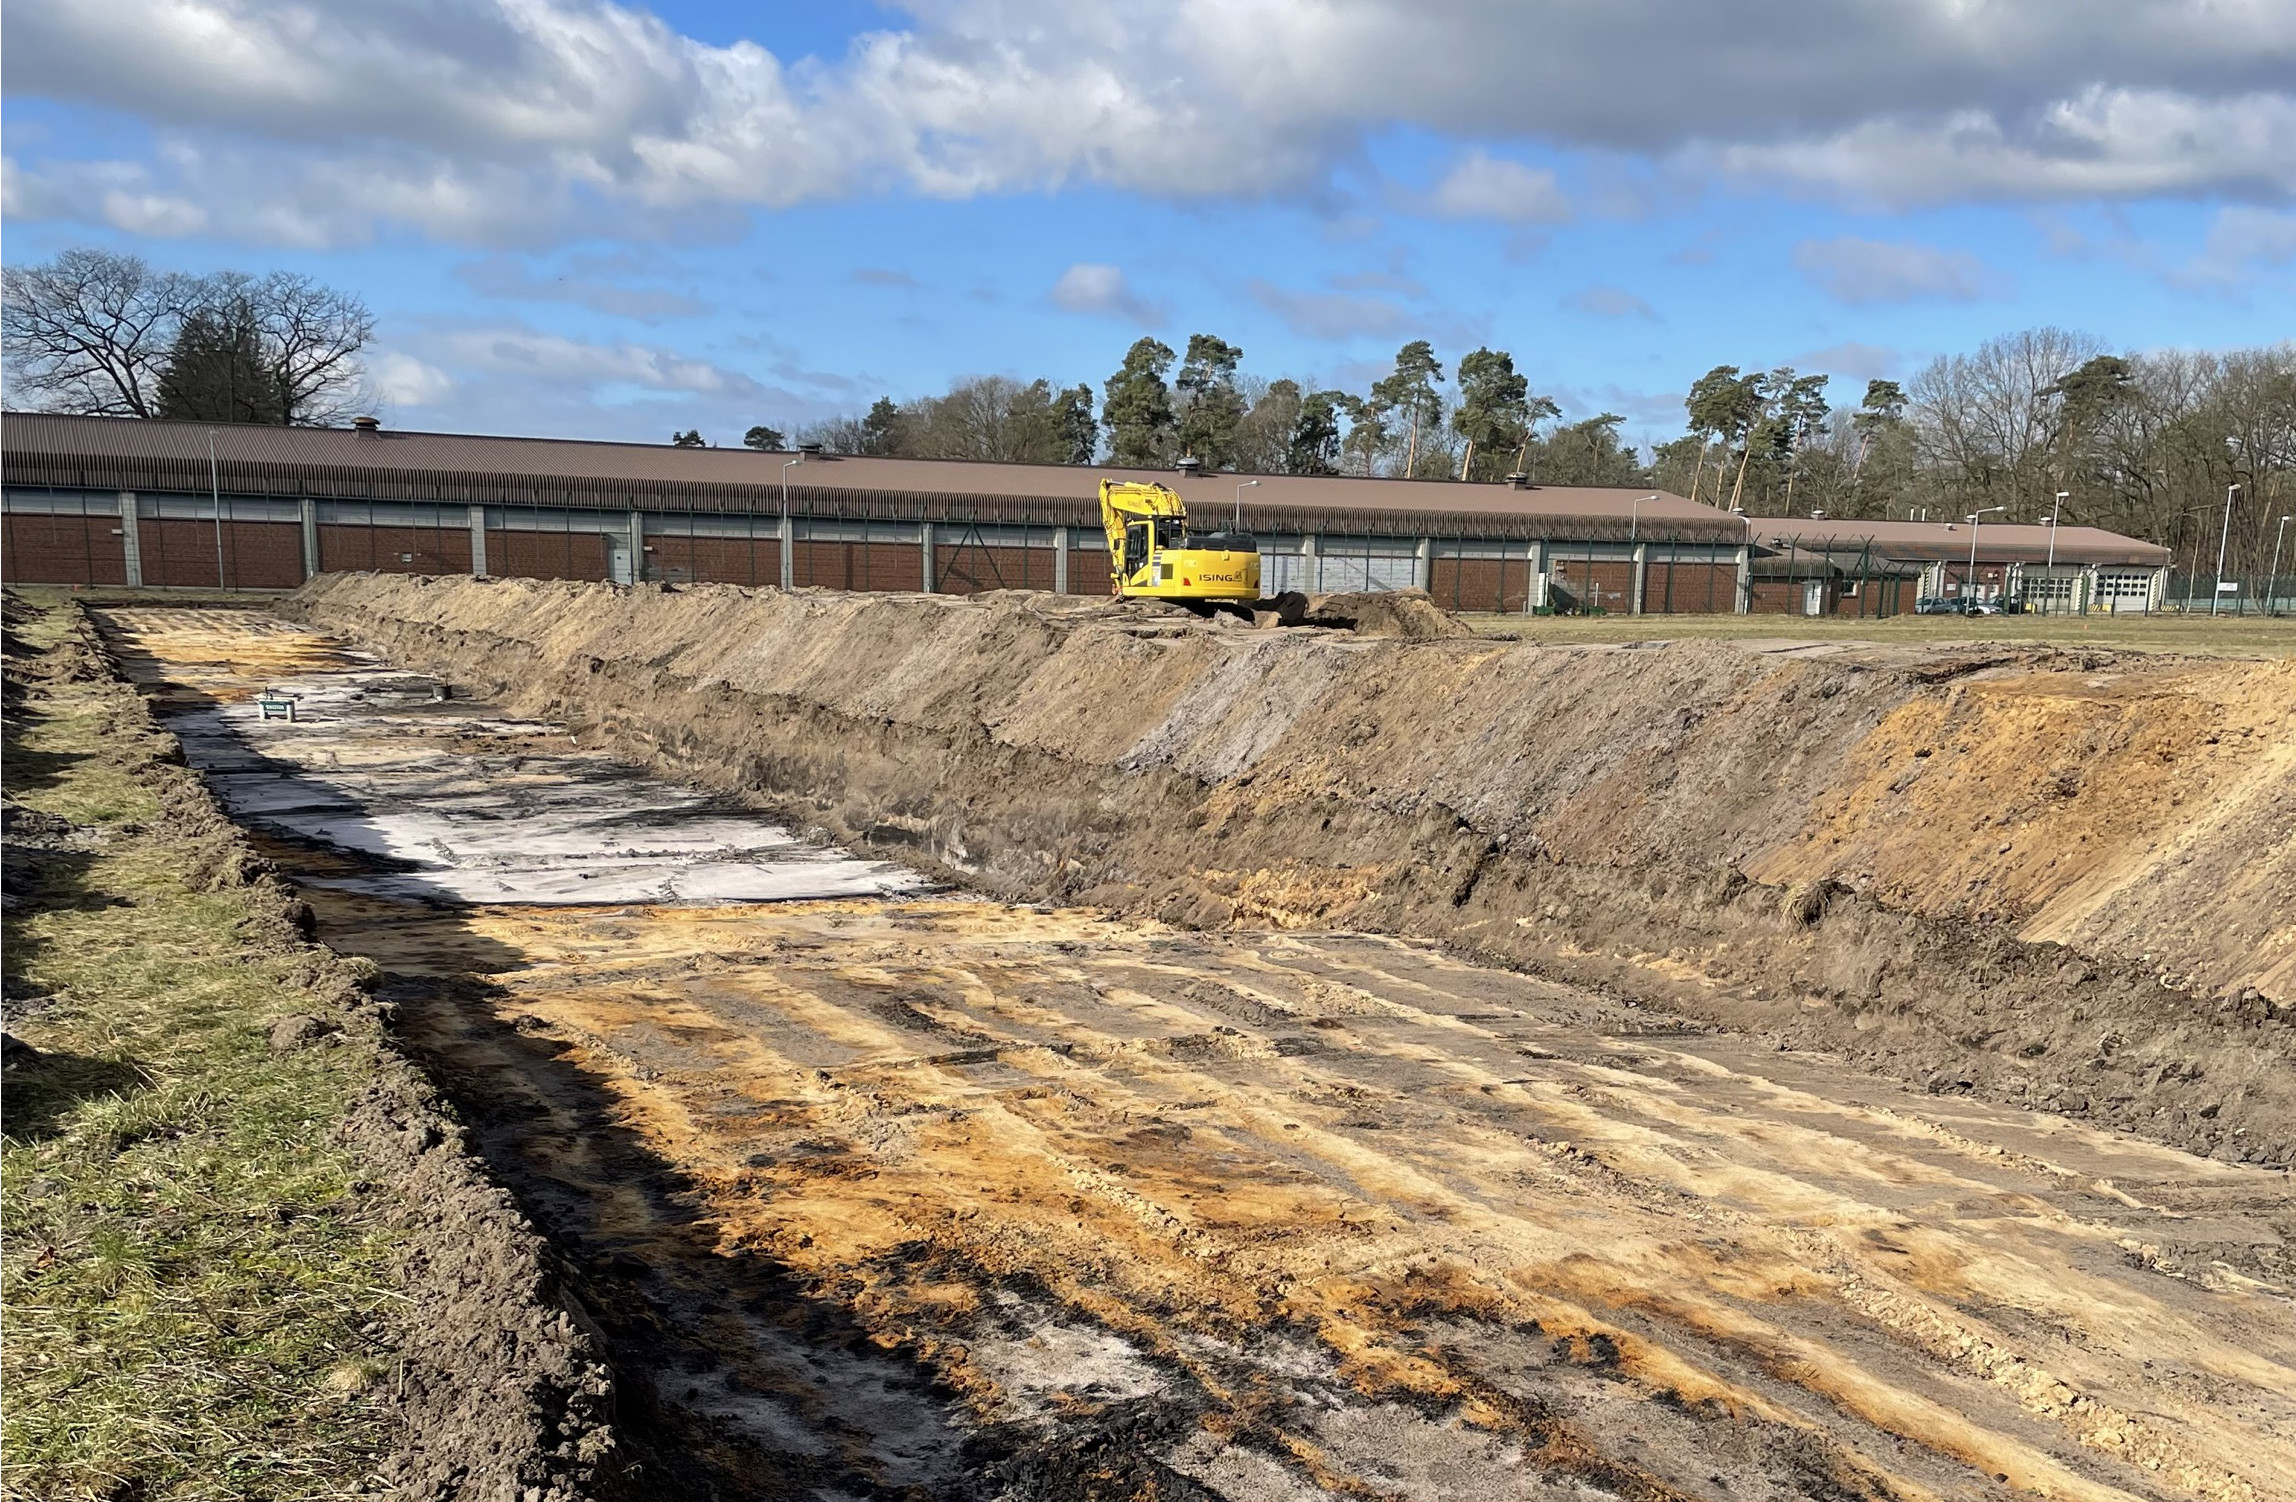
(2028, 426)
(96, 332)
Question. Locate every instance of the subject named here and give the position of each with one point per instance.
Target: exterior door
(1814, 597)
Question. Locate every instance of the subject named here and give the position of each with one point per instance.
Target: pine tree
(1210, 407)
(216, 371)
(1138, 409)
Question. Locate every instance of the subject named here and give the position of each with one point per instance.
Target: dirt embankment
(2058, 879)
(499, 1390)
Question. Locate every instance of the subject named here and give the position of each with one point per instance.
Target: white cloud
(1481, 186)
(1333, 315)
(1858, 362)
(1610, 302)
(1859, 271)
(2240, 239)
(514, 121)
(405, 381)
(510, 279)
(1094, 287)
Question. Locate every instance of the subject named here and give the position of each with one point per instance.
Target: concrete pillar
(131, 540)
(310, 520)
(1311, 565)
(787, 547)
(637, 526)
(926, 556)
(478, 542)
(1423, 564)
(1745, 590)
(1535, 594)
(1060, 560)
(1641, 571)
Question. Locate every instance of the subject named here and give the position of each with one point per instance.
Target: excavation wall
(2061, 879)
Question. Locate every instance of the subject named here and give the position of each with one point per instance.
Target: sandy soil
(948, 1197)
(2041, 877)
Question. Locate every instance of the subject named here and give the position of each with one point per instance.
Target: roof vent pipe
(367, 427)
(1190, 465)
(809, 448)
(1518, 481)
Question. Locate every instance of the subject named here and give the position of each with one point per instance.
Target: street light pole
(2272, 585)
(2055, 513)
(215, 489)
(789, 532)
(2222, 538)
(1240, 489)
(1970, 592)
(1634, 518)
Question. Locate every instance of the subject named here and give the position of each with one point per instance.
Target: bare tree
(97, 332)
(90, 332)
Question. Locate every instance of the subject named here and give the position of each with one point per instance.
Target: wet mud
(926, 1195)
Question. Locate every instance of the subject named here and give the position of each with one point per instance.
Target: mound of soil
(2032, 875)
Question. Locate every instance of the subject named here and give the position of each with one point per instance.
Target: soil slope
(2055, 879)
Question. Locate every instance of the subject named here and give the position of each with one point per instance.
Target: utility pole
(2054, 515)
(2223, 538)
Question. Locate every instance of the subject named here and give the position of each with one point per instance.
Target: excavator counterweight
(1152, 554)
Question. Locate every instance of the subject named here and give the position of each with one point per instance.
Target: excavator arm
(1151, 553)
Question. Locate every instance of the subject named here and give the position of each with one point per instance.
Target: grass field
(2226, 636)
(192, 1276)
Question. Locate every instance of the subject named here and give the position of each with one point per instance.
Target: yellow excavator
(1152, 554)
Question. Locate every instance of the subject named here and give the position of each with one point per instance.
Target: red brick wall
(1689, 588)
(256, 555)
(857, 565)
(970, 568)
(545, 555)
(713, 560)
(394, 550)
(64, 550)
(1480, 583)
(1786, 596)
(1613, 576)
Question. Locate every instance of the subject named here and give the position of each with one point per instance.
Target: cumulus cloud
(1859, 271)
(1094, 287)
(404, 381)
(1610, 302)
(501, 121)
(1481, 186)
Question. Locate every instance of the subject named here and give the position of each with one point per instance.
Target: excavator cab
(1153, 555)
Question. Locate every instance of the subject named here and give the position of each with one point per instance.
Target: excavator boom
(1152, 554)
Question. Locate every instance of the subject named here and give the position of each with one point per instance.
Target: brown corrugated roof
(1997, 542)
(106, 453)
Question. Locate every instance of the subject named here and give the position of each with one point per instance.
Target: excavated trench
(875, 1188)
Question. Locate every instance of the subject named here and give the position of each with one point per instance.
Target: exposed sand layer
(950, 1197)
(2048, 878)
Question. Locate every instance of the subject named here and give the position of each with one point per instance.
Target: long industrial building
(128, 502)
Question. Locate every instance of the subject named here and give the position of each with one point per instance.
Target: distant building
(2048, 568)
(122, 501)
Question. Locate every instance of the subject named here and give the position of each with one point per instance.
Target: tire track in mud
(942, 1197)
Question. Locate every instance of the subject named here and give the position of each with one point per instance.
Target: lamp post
(2222, 538)
(1971, 581)
(1634, 518)
(788, 547)
(2055, 512)
(1240, 489)
(215, 489)
(2272, 585)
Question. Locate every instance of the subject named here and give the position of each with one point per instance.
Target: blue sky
(586, 219)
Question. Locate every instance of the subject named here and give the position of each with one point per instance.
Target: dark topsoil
(504, 1395)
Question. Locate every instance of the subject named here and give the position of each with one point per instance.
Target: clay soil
(1200, 1189)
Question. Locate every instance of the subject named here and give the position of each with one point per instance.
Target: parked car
(1936, 605)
